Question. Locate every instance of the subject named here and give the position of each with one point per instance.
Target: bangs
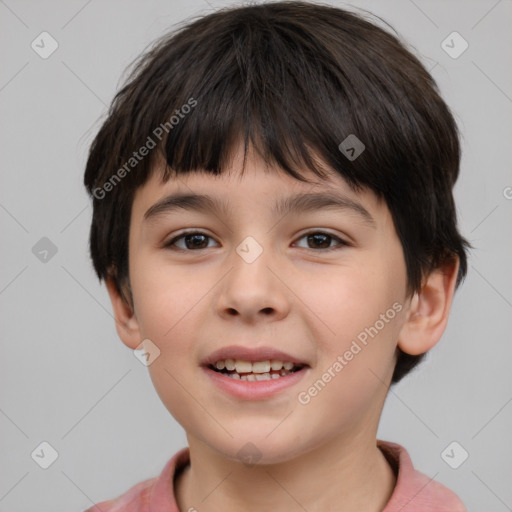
(259, 96)
(272, 85)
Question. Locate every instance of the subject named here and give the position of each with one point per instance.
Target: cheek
(346, 301)
(167, 315)
(360, 313)
(165, 297)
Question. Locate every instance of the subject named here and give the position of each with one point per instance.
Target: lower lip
(254, 390)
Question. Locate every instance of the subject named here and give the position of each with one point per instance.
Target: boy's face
(297, 296)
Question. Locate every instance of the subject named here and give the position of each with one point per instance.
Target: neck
(353, 475)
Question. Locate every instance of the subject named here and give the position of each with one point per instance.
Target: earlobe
(429, 310)
(127, 325)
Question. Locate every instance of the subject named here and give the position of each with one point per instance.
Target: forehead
(254, 186)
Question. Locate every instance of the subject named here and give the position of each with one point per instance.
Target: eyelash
(341, 243)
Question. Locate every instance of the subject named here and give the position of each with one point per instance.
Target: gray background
(67, 379)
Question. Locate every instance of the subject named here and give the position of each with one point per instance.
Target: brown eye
(319, 240)
(193, 240)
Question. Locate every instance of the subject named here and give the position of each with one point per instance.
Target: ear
(429, 310)
(127, 325)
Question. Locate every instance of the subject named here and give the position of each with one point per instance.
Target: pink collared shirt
(414, 491)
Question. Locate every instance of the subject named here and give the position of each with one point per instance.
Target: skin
(295, 296)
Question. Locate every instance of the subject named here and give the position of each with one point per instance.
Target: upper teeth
(247, 367)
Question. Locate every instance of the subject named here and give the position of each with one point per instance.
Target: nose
(254, 291)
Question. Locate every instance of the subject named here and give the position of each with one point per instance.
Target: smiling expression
(329, 263)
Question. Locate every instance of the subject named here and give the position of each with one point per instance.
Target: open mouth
(258, 371)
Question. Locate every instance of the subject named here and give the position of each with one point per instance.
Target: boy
(274, 221)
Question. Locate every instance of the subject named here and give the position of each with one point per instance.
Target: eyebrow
(293, 204)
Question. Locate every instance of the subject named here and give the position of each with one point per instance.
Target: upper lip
(251, 354)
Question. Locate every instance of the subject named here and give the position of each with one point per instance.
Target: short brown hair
(294, 79)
